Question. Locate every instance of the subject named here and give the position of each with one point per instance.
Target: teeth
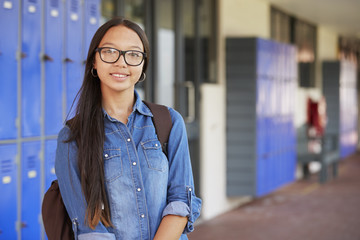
(118, 75)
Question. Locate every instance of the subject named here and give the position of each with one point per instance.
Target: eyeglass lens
(111, 55)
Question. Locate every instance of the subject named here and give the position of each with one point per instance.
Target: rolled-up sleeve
(68, 175)
(181, 198)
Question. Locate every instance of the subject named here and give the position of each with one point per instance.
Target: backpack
(56, 220)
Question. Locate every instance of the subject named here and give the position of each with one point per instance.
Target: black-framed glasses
(112, 55)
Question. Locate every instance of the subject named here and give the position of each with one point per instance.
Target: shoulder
(175, 115)
(178, 123)
(64, 134)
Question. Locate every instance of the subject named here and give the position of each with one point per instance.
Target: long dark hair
(87, 129)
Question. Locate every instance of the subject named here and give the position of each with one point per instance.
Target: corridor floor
(303, 210)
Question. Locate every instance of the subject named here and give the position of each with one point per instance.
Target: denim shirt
(142, 184)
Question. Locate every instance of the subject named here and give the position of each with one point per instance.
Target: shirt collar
(138, 106)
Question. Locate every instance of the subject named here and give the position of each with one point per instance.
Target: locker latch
(47, 58)
(68, 60)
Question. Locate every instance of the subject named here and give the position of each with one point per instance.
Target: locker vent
(31, 163)
(33, 1)
(54, 3)
(93, 10)
(74, 6)
(6, 166)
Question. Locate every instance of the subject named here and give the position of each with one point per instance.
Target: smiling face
(119, 77)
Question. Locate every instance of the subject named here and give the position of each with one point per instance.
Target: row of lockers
(42, 57)
(348, 108)
(36, 177)
(261, 142)
(43, 62)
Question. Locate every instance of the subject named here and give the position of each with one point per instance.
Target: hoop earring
(142, 78)
(92, 73)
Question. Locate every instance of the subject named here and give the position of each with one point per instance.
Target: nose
(121, 60)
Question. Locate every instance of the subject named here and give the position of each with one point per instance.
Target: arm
(171, 227)
(183, 206)
(68, 176)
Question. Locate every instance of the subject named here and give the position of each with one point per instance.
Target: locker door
(74, 54)
(53, 66)
(92, 16)
(8, 193)
(9, 14)
(31, 79)
(50, 152)
(30, 202)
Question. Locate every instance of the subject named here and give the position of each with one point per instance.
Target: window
(289, 29)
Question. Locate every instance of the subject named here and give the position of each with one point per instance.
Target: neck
(119, 106)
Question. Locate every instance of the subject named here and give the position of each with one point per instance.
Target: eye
(134, 54)
(108, 51)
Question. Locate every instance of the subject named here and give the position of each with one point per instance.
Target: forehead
(121, 37)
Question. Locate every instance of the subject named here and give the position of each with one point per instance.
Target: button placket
(137, 181)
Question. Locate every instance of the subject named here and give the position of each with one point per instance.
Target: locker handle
(23, 55)
(47, 58)
(23, 225)
(68, 60)
(191, 101)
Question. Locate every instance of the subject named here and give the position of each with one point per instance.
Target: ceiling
(341, 16)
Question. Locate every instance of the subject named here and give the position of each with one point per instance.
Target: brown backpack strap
(162, 122)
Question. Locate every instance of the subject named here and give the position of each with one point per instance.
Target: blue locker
(50, 152)
(30, 202)
(92, 18)
(260, 176)
(54, 25)
(268, 61)
(31, 70)
(8, 191)
(9, 11)
(74, 51)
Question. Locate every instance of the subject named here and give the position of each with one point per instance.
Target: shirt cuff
(96, 236)
(177, 208)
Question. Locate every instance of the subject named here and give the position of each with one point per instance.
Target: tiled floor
(303, 210)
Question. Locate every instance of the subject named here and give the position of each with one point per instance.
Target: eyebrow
(131, 47)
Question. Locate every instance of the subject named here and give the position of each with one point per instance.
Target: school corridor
(303, 210)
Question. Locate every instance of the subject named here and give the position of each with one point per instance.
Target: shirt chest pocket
(154, 155)
(112, 164)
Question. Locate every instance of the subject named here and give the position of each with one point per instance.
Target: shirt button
(106, 155)
(190, 189)
(142, 215)
(134, 163)
(139, 189)
(156, 144)
(128, 139)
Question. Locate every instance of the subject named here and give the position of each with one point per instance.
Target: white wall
(327, 45)
(245, 18)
